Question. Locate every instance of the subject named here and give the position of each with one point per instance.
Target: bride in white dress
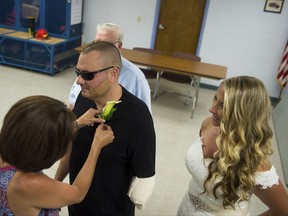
(229, 161)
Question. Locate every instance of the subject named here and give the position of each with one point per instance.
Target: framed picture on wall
(274, 6)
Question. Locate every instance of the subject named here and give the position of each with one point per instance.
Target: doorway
(179, 25)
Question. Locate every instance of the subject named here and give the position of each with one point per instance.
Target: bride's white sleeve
(140, 190)
(267, 179)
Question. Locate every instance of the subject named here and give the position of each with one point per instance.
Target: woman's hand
(89, 118)
(103, 135)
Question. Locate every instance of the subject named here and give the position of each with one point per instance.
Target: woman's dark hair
(36, 132)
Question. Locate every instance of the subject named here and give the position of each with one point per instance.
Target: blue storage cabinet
(9, 17)
(13, 48)
(62, 19)
(14, 13)
(65, 19)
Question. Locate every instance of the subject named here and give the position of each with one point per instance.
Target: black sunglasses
(90, 75)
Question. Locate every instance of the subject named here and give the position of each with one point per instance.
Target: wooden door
(179, 25)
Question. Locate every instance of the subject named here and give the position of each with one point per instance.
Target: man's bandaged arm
(140, 190)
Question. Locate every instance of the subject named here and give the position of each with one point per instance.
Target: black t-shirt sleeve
(143, 147)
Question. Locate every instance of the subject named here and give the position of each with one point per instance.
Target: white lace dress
(195, 203)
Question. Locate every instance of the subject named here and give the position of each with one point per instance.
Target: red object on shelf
(41, 34)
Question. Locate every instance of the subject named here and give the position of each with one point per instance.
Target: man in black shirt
(124, 176)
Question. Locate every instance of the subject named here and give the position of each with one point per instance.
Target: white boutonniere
(108, 110)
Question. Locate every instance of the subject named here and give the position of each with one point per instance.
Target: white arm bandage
(140, 190)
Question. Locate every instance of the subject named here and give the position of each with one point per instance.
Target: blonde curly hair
(244, 142)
